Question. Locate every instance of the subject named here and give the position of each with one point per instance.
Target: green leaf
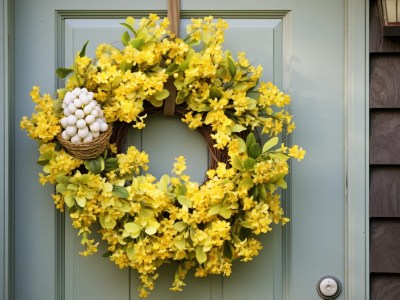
(180, 243)
(107, 222)
(171, 68)
(228, 253)
(133, 229)
(83, 51)
(69, 200)
(225, 212)
(129, 27)
(180, 226)
(125, 38)
(110, 164)
(161, 95)
(231, 68)
(255, 150)
(249, 163)
(215, 93)
(61, 188)
(137, 43)
(120, 192)
(96, 166)
(155, 102)
(178, 84)
(250, 140)
(262, 193)
(269, 144)
(150, 230)
(242, 145)
(238, 128)
(180, 189)
(81, 201)
(63, 72)
(214, 210)
(163, 183)
(201, 256)
(253, 95)
(254, 193)
(246, 183)
(183, 66)
(281, 183)
(85, 178)
(241, 86)
(62, 179)
(130, 252)
(279, 156)
(107, 254)
(237, 163)
(146, 212)
(246, 224)
(244, 233)
(184, 201)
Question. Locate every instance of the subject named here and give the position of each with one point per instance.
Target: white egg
(72, 108)
(88, 138)
(66, 112)
(95, 126)
(71, 120)
(76, 91)
(94, 113)
(90, 95)
(87, 109)
(71, 130)
(80, 114)
(83, 132)
(69, 97)
(103, 126)
(101, 114)
(64, 122)
(80, 123)
(85, 100)
(78, 103)
(65, 136)
(95, 134)
(89, 119)
(93, 102)
(84, 90)
(64, 106)
(76, 139)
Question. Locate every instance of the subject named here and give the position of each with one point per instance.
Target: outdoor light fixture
(389, 14)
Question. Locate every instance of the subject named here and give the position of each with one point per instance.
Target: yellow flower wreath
(147, 221)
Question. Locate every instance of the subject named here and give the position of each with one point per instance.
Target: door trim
(356, 284)
(6, 115)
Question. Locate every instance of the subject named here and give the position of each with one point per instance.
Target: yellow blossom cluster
(147, 222)
(44, 124)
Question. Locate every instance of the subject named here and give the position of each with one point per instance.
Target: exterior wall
(384, 162)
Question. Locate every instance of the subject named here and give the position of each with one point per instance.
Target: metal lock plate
(328, 287)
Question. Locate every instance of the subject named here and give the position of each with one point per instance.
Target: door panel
(303, 59)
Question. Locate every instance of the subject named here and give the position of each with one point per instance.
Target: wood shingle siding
(385, 287)
(384, 162)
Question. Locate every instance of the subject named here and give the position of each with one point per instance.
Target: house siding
(384, 162)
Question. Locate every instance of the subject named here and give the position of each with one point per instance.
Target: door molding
(356, 284)
(6, 117)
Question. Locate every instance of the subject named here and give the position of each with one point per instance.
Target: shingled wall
(384, 162)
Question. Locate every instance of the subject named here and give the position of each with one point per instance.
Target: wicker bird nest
(88, 150)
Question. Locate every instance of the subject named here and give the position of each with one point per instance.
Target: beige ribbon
(174, 20)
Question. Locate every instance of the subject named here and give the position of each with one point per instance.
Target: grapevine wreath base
(146, 221)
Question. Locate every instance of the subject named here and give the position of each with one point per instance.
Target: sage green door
(304, 59)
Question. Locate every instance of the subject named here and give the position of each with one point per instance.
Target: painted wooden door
(305, 60)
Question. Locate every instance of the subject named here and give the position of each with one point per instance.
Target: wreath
(146, 221)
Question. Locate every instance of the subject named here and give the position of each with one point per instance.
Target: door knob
(328, 287)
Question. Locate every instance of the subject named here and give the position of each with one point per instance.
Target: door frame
(356, 152)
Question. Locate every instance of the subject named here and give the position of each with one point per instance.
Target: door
(304, 59)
